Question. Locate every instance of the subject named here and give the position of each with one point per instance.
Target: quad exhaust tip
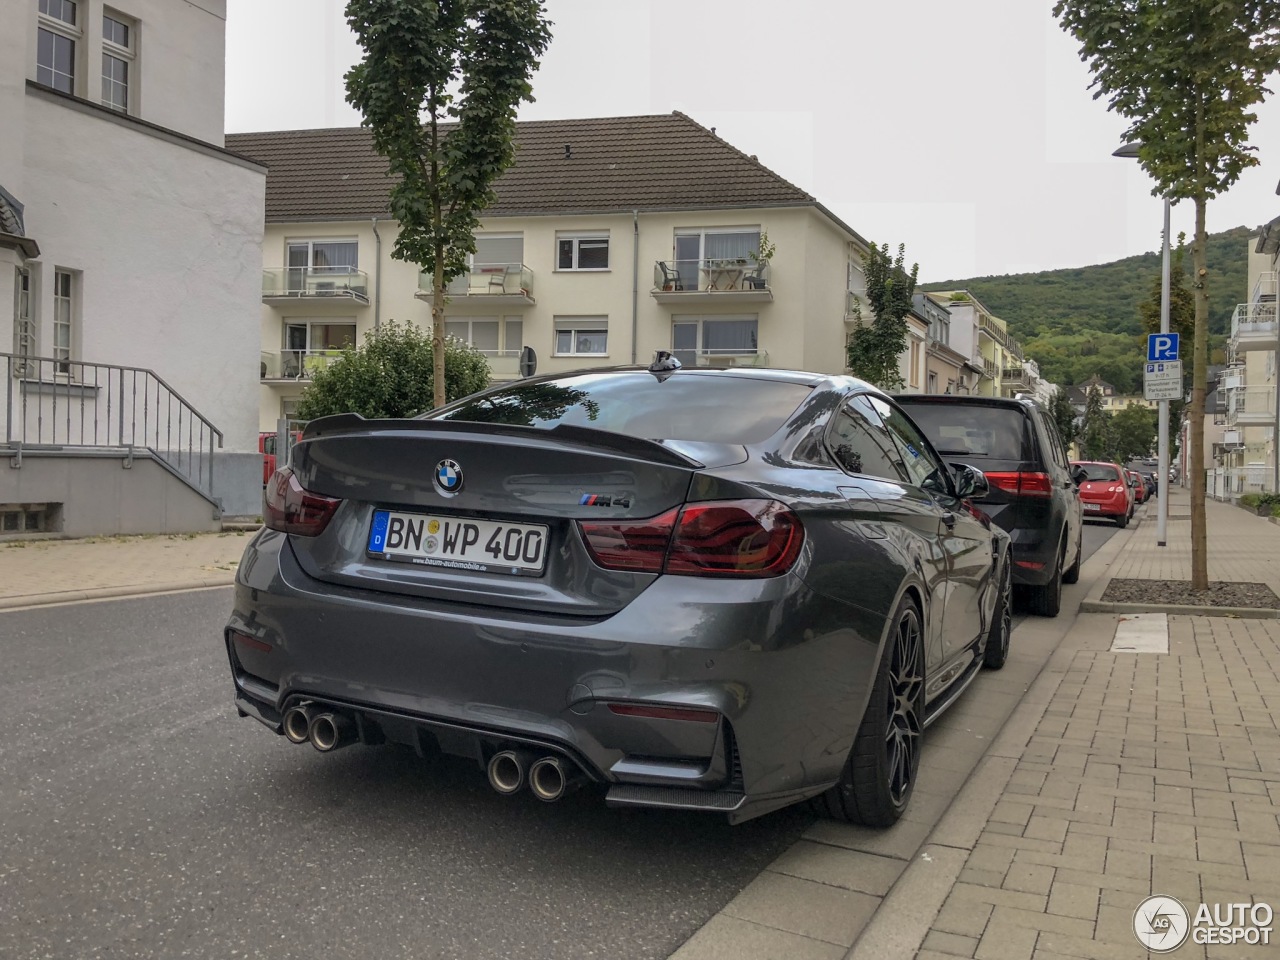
(297, 723)
(548, 779)
(506, 772)
(329, 731)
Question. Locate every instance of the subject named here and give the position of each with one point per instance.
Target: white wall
(177, 76)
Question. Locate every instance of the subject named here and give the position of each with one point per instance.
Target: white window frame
(575, 237)
(25, 342)
(310, 322)
(575, 326)
(310, 243)
(469, 339)
(700, 349)
(127, 55)
(70, 31)
(62, 354)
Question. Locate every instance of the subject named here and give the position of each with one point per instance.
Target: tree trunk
(1199, 363)
(437, 328)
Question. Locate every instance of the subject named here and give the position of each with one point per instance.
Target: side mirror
(1078, 474)
(970, 481)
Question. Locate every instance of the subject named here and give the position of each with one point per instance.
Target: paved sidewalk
(1243, 548)
(34, 572)
(1121, 775)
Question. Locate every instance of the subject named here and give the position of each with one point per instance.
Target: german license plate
(484, 546)
(1092, 507)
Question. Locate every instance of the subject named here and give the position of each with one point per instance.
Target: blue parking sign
(1162, 347)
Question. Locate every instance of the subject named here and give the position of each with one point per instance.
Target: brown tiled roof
(664, 162)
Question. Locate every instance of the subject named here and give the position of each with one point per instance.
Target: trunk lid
(499, 485)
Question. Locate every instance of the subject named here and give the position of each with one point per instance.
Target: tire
(1046, 601)
(880, 773)
(996, 651)
(1122, 521)
(1072, 573)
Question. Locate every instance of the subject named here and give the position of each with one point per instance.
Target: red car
(267, 447)
(1138, 485)
(1104, 491)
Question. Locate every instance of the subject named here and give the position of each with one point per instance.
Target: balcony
(730, 281)
(990, 370)
(491, 284)
(1264, 288)
(293, 366)
(285, 285)
(1251, 406)
(1231, 379)
(853, 306)
(992, 329)
(728, 357)
(1015, 377)
(1232, 439)
(1253, 327)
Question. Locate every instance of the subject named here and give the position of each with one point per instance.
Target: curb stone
(112, 593)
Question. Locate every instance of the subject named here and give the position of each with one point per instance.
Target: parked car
(267, 447)
(1138, 486)
(1030, 494)
(1104, 491)
(1153, 488)
(717, 590)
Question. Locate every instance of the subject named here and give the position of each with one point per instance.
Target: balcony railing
(722, 357)
(503, 364)
(1014, 347)
(992, 329)
(294, 364)
(1264, 288)
(1231, 379)
(853, 305)
(1016, 375)
(1251, 405)
(729, 276)
(63, 403)
(1253, 325)
(989, 369)
(304, 283)
(499, 283)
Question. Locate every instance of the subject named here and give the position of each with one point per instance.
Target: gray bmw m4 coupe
(716, 590)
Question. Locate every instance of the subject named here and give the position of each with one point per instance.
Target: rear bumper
(787, 672)
(1105, 508)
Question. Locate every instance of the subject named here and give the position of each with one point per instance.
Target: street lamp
(1130, 150)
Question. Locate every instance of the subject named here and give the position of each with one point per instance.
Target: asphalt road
(143, 819)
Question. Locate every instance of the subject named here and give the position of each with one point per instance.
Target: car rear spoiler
(634, 447)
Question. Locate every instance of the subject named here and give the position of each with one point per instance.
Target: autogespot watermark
(1162, 924)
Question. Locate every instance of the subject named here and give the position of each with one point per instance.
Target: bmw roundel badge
(448, 477)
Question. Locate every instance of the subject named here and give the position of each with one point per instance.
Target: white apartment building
(610, 239)
(1247, 447)
(130, 257)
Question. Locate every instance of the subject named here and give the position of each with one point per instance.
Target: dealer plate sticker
(484, 546)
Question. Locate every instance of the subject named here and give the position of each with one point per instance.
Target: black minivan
(1032, 494)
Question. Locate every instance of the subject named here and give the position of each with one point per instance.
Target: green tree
(392, 374)
(1186, 74)
(1095, 429)
(438, 86)
(1064, 416)
(1182, 302)
(1132, 433)
(873, 348)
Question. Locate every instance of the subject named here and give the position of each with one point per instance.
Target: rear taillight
(291, 509)
(724, 538)
(1021, 483)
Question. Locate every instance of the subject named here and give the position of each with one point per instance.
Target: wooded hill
(1081, 321)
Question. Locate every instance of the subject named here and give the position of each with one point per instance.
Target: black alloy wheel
(1001, 633)
(879, 775)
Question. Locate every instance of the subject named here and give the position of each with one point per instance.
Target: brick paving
(51, 571)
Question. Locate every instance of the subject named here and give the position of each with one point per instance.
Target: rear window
(1099, 471)
(960, 430)
(708, 409)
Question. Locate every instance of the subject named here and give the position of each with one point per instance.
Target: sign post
(1162, 349)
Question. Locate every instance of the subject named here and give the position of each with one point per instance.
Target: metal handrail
(106, 405)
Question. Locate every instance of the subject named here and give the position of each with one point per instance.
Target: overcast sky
(964, 129)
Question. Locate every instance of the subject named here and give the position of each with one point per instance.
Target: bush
(391, 375)
(1263, 504)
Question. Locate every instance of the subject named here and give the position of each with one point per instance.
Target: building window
(117, 61)
(582, 336)
(582, 251)
(713, 338)
(913, 374)
(313, 345)
(63, 312)
(24, 329)
(482, 334)
(56, 38)
(715, 243)
(933, 382)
